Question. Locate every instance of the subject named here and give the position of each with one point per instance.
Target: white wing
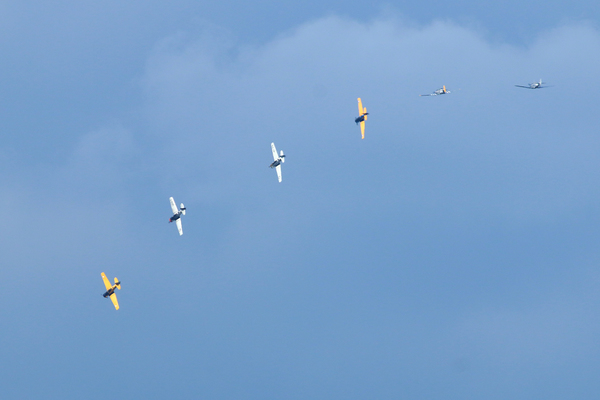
(275, 155)
(179, 228)
(173, 206)
(278, 168)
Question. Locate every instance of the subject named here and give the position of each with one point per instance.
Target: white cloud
(215, 103)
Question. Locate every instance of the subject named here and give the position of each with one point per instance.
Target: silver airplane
(534, 85)
(442, 90)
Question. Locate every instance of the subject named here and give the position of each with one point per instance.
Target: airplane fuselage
(275, 163)
(109, 292)
(175, 217)
(361, 118)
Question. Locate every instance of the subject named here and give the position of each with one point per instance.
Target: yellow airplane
(362, 117)
(110, 290)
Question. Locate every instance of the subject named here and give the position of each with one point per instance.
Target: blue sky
(451, 254)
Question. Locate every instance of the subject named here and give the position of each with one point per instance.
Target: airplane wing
(427, 94)
(113, 297)
(274, 150)
(526, 87)
(173, 206)
(278, 169)
(360, 109)
(106, 282)
(362, 128)
(179, 228)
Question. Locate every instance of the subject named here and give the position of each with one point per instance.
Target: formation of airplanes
(278, 159)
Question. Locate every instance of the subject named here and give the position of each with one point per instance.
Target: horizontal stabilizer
(182, 208)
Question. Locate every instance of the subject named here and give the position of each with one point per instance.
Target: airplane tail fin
(117, 283)
(282, 156)
(182, 208)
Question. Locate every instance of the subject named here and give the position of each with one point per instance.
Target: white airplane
(278, 160)
(534, 85)
(442, 90)
(177, 215)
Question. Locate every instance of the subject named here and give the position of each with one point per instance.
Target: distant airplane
(534, 85)
(177, 215)
(442, 90)
(362, 117)
(278, 160)
(110, 290)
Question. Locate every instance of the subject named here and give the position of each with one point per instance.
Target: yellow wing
(360, 109)
(362, 129)
(106, 281)
(113, 297)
